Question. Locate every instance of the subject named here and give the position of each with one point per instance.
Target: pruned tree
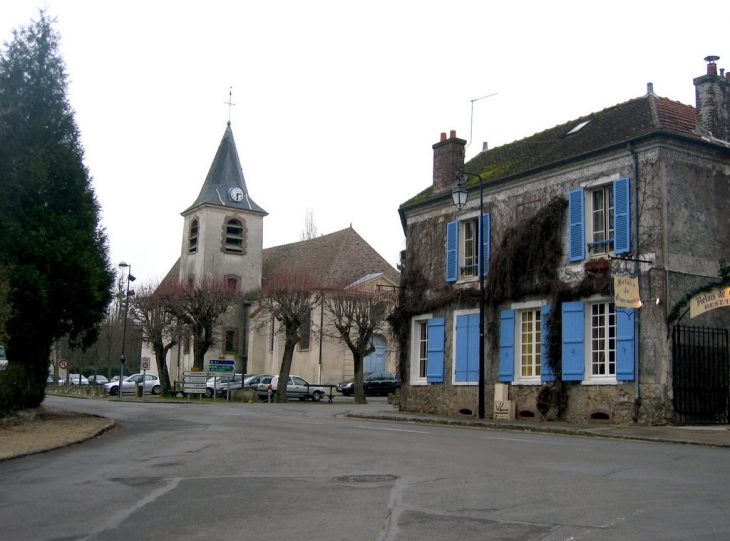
(288, 298)
(51, 242)
(160, 327)
(353, 316)
(200, 304)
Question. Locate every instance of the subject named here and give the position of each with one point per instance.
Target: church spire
(225, 186)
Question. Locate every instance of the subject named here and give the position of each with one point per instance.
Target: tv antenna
(471, 122)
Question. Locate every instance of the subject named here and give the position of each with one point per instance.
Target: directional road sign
(194, 386)
(214, 362)
(195, 379)
(194, 373)
(221, 368)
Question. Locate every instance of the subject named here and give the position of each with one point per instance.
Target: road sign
(214, 362)
(194, 386)
(145, 364)
(195, 379)
(194, 391)
(224, 368)
(194, 373)
(63, 364)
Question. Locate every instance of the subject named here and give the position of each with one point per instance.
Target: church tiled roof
(334, 260)
(649, 114)
(226, 173)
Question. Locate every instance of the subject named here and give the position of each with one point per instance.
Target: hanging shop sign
(626, 291)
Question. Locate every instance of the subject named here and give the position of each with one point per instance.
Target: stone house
(223, 238)
(557, 228)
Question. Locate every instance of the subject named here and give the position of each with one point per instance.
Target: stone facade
(675, 185)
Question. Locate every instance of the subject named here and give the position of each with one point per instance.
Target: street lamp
(130, 278)
(459, 195)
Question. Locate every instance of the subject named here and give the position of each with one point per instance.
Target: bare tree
(288, 297)
(160, 327)
(200, 303)
(354, 316)
(310, 228)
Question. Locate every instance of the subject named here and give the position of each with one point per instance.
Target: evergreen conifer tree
(51, 244)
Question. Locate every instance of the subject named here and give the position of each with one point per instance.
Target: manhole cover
(366, 478)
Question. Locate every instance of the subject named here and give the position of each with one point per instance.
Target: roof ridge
(336, 259)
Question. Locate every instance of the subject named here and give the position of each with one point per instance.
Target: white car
(298, 388)
(150, 383)
(76, 379)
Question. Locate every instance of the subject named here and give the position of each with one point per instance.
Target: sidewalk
(708, 436)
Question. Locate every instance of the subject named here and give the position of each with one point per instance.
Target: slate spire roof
(335, 260)
(225, 173)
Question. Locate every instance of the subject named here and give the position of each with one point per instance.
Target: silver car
(149, 382)
(298, 388)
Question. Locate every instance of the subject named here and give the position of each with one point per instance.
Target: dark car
(375, 383)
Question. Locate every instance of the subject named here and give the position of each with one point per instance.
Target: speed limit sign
(63, 363)
(145, 364)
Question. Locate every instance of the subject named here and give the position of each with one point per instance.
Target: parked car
(252, 382)
(78, 379)
(298, 387)
(98, 379)
(374, 383)
(150, 382)
(221, 384)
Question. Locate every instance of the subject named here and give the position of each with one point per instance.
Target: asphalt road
(254, 471)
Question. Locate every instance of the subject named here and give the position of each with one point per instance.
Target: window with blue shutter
(573, 341)
(466, 364)
(486, 224)
(577, 244)
(436, 338)
(452, 251)
(507, 346)
(621, 216)
(625, 353)
(545, 373)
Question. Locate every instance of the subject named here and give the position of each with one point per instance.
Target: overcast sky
(339, 102)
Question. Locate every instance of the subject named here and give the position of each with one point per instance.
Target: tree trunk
(284, 371)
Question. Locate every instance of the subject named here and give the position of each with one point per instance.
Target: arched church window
(193, 237)
(235, 236)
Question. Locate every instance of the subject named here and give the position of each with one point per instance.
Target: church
(222, 238)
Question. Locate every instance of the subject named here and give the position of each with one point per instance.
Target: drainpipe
(637, 312)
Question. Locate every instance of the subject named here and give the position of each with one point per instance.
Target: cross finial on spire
(229, 103)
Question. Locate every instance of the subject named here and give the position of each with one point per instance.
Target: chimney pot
(711, 64)
(485, 146)
(649, 88)
(443, 136)
(452, 134)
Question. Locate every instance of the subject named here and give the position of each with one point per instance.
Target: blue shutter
(545, 373)
(435, 362)
(452, 251)
(574, 359)
(576, 241)
(507, 346)
(625, 344)
(466, 364)
(621, 216)
(486, 228)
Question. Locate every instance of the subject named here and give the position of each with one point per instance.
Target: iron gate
(701, 375)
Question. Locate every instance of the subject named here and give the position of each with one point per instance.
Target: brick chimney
(448, 158)
(712, 99)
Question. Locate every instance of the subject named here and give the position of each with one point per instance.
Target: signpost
(222, 365)
(194, 382)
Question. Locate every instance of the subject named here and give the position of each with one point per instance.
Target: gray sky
(339, 102)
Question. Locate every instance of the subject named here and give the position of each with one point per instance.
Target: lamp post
(459, 195)
(130, 278)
